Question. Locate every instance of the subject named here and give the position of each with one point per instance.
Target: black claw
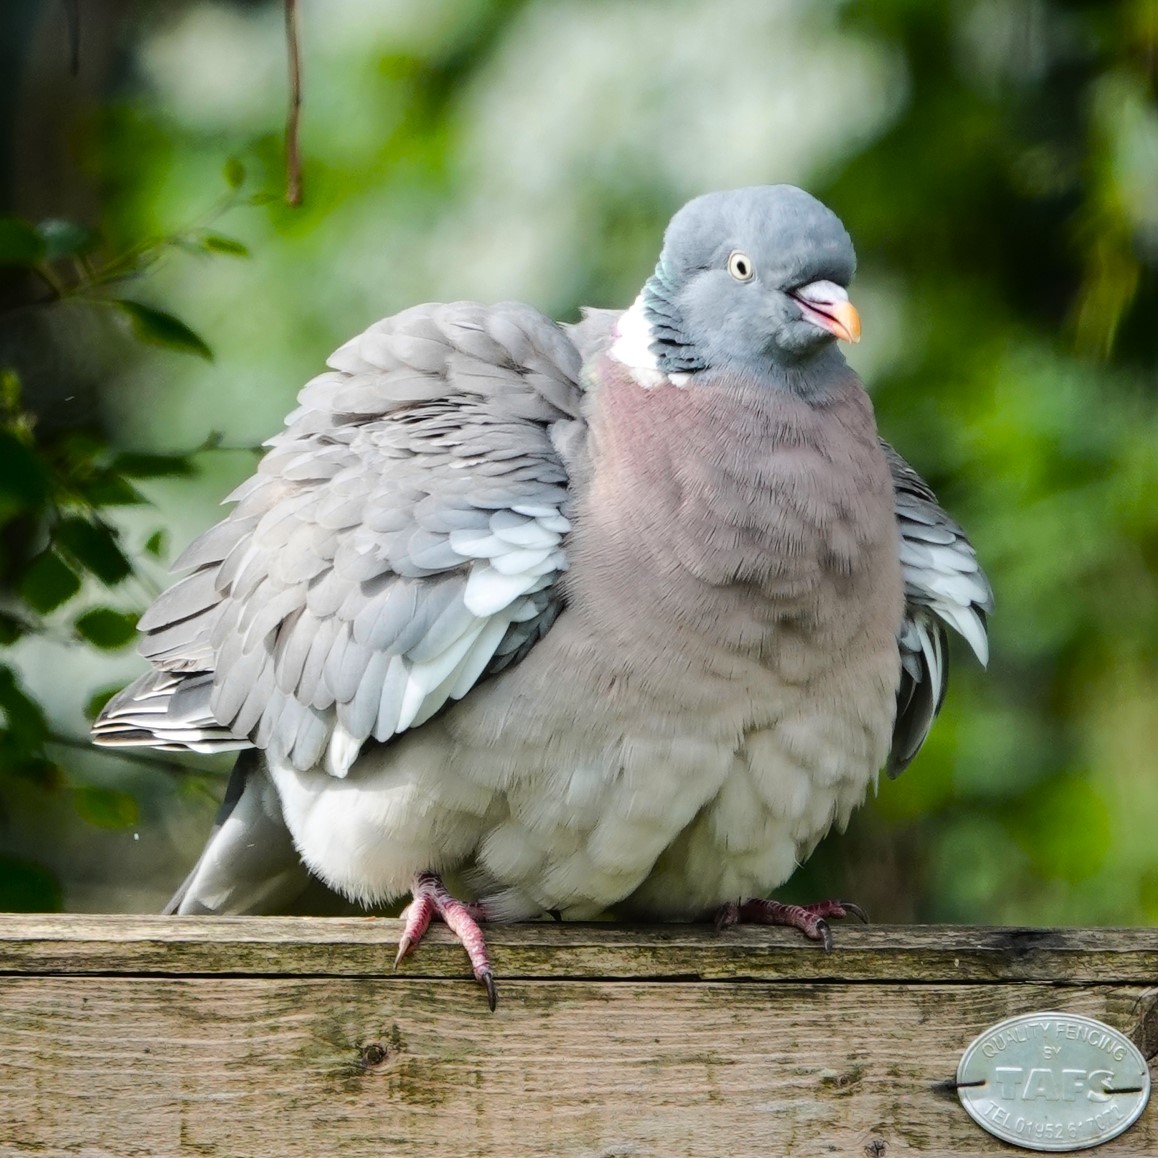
(856, 910)
(487, 978)
(726, 916)
(825, 934)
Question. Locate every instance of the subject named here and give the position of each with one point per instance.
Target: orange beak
(825, 304)
(845, 320)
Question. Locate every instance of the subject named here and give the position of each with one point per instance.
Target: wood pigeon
(530, 619)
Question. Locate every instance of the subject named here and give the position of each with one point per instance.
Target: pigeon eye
(740, 266)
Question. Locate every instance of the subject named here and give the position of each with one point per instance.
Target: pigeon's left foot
(432, 899)
(811, 920)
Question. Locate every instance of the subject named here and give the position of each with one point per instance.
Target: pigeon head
(747, 280)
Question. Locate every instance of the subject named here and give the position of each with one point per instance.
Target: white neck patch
(632, 348)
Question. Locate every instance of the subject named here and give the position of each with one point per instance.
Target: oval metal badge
(1053, 1081)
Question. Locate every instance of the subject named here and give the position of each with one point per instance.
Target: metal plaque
(1053, 1081)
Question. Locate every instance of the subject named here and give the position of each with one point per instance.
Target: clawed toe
(821, 931)
(405, 944)
(856, 910)
(811, 920)
(487, 978)
(432, 899)
(727, 915)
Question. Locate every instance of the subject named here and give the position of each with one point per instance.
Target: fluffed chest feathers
(739, 512)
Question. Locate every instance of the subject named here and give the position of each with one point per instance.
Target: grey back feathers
(401, 539)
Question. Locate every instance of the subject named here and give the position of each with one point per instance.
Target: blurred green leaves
(23, 726)
(107, 628)
(65, 239)
(93, 545)
(61, 551)
(43, 247)
(26, 887)
(234, 173)
(24, 481)
(20, 243)
(1015, 199)
(56, 546)
(219, 243)
(161, 329)
(1006, 213)
(106, 807)
(48, 582)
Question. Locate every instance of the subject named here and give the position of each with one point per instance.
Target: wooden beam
(364, 946)
(285, 1036)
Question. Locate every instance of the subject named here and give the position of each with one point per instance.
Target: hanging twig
(72, 22)
(293, 164)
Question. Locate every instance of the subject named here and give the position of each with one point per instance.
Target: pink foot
(431, 899)
(811, 920)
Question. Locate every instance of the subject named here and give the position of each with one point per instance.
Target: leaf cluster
(65, 571)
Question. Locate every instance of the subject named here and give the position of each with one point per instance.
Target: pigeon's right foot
(432, 899)
(811, 920)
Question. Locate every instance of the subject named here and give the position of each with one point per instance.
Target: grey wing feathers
(944, 587)
(167, 710)
(401, 538)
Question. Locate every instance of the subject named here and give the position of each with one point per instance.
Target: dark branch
(72, 21)
(293, 185)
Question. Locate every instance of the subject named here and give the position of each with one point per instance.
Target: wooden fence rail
(242, 1038)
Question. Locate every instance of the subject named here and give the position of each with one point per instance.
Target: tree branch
(293, 184)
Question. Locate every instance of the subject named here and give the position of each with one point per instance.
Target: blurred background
(996, 162)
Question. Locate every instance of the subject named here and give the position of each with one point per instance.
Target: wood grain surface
(127, 1036)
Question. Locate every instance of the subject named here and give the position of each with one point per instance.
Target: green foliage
(26, 887)
(106, 807)
(107, 628)
(65, 239)
(59, 543)
(156, 544)
(97, 701)
(152, 466)
(48, 582)
(20, 242)
(234, 173)
(162, 329)
(1005, 212)
(1012, 204)
(93, 546)
(219, 243)
(23, 726)
(24, 482)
